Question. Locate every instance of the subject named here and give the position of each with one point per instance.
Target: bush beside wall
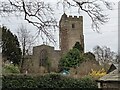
(46, 81)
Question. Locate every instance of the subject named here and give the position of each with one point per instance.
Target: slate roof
(112, 76)
(116, 65)
(112, 67)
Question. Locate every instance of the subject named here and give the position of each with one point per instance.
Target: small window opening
(73, 25)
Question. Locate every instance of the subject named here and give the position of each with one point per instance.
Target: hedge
(46, 81)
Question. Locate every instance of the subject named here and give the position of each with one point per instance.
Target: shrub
(97, 74)
(89, 56)
(79, 47)
(46, 81)
(10, 68)
(71, 59)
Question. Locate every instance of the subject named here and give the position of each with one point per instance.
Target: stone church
(45, 59)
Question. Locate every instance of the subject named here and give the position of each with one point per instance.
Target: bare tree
(93, 8)
(41, 15)
(26, 41)
(104, 55)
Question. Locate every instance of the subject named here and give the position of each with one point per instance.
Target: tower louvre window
(73, 25)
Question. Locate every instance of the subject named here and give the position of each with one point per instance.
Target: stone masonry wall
(32, 65)
(71, 31)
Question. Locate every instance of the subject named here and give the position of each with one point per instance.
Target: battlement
(70, 17)
(75, 17)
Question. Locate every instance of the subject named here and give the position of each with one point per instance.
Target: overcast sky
(108, 35)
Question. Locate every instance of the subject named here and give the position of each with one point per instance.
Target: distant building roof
(111, 77)
(112, 68)
(116, 65)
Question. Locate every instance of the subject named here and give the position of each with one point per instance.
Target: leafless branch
(39, 14)
(94, 10)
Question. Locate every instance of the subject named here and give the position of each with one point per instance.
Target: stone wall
(32, 63)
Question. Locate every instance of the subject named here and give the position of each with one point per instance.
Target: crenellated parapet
(75, 17)
(70, 17)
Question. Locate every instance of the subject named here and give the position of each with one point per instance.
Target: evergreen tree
(79, 47)
(71, 59)
(89, 56)
(10, 46)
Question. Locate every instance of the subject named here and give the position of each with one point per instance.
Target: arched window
(43, 57)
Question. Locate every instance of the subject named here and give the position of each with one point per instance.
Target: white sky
(108, 36)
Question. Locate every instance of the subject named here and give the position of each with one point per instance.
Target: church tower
(71, 31)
